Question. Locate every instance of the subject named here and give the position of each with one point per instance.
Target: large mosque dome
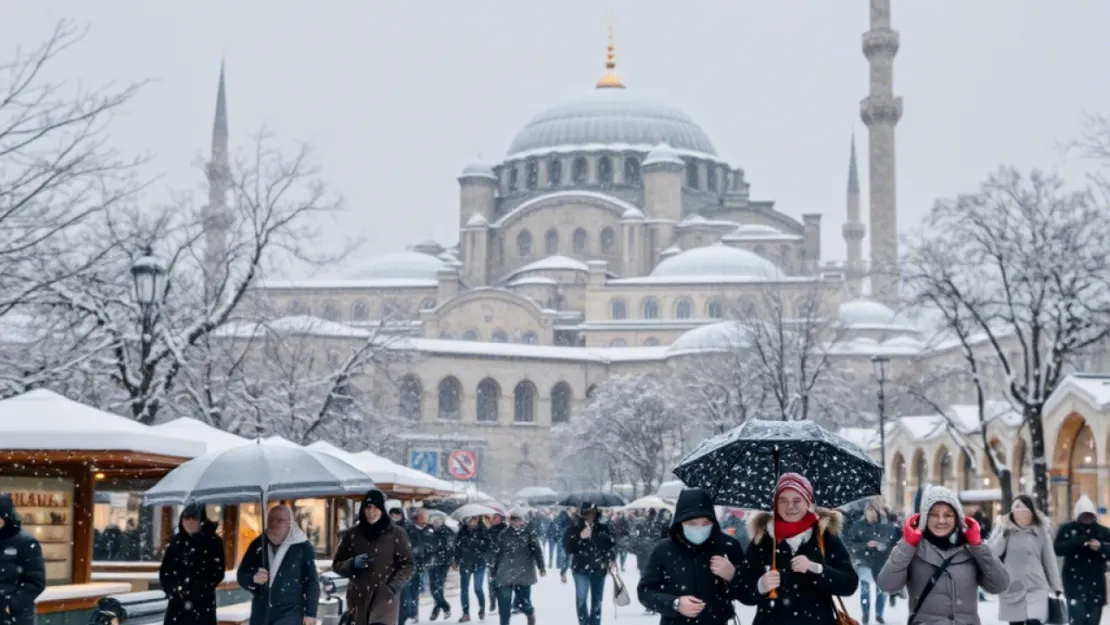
(717, 261)
(612, 117)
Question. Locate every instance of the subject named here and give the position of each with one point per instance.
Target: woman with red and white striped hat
(797, 565)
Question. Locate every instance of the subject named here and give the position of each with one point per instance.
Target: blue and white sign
(426, 460)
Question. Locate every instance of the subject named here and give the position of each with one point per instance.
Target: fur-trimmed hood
(829, 522)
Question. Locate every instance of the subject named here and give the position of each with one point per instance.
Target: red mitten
(910, 531)
(973, 533)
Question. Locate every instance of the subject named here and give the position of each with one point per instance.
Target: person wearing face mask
(1085, 546)
(796, 562)
(942, 562)
(192, 567)
(694, 574)
(376, 556)
(517, 557)
(22, 568)
(1022, 542)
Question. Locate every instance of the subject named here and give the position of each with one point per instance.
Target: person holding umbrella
(695, 574)
(376, 556)
(796, 565)
(942, 562)
(283, 579)
(471, 551)
(192, 568)
(590, 545)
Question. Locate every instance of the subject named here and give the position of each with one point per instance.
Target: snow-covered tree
(635, 422)
(1018, 274)
(276, 203)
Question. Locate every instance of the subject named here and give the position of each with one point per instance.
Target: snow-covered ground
(554, 604)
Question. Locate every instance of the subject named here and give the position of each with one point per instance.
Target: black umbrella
(740, 467)
(598, 498)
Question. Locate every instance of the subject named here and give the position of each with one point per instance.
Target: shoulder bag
(839, 609)
(620, 591)
(929, 586)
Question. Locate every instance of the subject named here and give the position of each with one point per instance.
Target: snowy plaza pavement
(554, 604)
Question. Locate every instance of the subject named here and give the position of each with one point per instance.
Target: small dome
(663, 153)
(557, 262)
(719, 336)
(477, 220)
(862, 312)
(906, 342)
(717, 260)
(478, 169)
(611, 117)
(633, 213)
(410, 265)
(673, 250)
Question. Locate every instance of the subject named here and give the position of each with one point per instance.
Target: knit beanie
(933, 495)
(795, 482)
(374, 497)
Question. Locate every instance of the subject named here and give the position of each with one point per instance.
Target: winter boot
(482, 614)
(465, 618)
(532, 619)
(563, 577)
(447, 614)
(879, 620)
(435, 614)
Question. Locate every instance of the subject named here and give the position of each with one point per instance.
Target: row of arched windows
(487, 400)
(579, 242)
(360, 309)
(683, 308)
(579, 172)
(497, 336)
(693, 177)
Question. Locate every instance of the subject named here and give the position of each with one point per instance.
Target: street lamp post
(878, 362)
(150, 285)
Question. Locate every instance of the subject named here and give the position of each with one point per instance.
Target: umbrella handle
(774, 556)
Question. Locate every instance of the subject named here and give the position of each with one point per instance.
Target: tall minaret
(880, 111)
(853, 229)
(217, 215)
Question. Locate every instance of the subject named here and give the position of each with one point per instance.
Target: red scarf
(787, 529)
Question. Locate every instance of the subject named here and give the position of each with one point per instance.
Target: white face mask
(697, 534)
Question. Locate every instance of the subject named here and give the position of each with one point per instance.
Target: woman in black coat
(192, 568)
(811, 563)
(694, 575)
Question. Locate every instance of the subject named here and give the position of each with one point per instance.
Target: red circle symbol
(462, 465)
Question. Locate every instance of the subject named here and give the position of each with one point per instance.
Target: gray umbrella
(258, 471)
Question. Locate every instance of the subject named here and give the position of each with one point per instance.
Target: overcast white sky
(398, 96)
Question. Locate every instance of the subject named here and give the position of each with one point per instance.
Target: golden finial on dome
(609, 79)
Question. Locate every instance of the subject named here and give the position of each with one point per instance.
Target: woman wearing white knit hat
(942, 561)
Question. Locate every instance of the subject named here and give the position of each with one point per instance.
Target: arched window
(450, 393)
(651, 308)
(560, 403)
(524, 244)
(512, 179)
(605, 170)
(617, 309)
(590, 390)
(651, 342)
(579, 170)
(608, 241)
(618, 343)
(683, 309)
(784, 258)
(529, 338)
(632, 171)
(499, 336)
(554, 172)
(360, 311)
(331, 311)
(428, 304)
(920, 469)
(580, 242)
(446, 335)
(333, 359)
(524, 402)
(532, 175)
(489, 397)
(711, 178)
(715, 309)
(470, 335)
(692, 174)
(551, 242)
(410, 397)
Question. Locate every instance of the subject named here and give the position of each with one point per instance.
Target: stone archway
(920, 469)
(898, 481)
(944, 464)
(1074, 467)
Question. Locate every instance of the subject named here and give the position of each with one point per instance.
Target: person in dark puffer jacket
(693, 576)
(192, 568)
(22, 568)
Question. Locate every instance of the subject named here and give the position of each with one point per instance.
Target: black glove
(361, 561)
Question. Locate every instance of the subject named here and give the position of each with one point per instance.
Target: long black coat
(1084, 571)
(192, 568)
(294, 587)
(862, 532)
(677, 568)
(441, 547)
(421, 539)
(591, 556)
(802, 597)
(22, 569)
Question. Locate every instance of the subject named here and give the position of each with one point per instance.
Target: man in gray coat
(517, 557)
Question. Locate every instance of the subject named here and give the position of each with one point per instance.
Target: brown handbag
(841, 612)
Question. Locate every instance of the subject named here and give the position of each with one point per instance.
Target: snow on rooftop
(42, 419)
(355, 283)
(534, 281)
(191, 429)
(759, 232)
(295, 325)
(1093, 388)
(525, 351)
(556, 262)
